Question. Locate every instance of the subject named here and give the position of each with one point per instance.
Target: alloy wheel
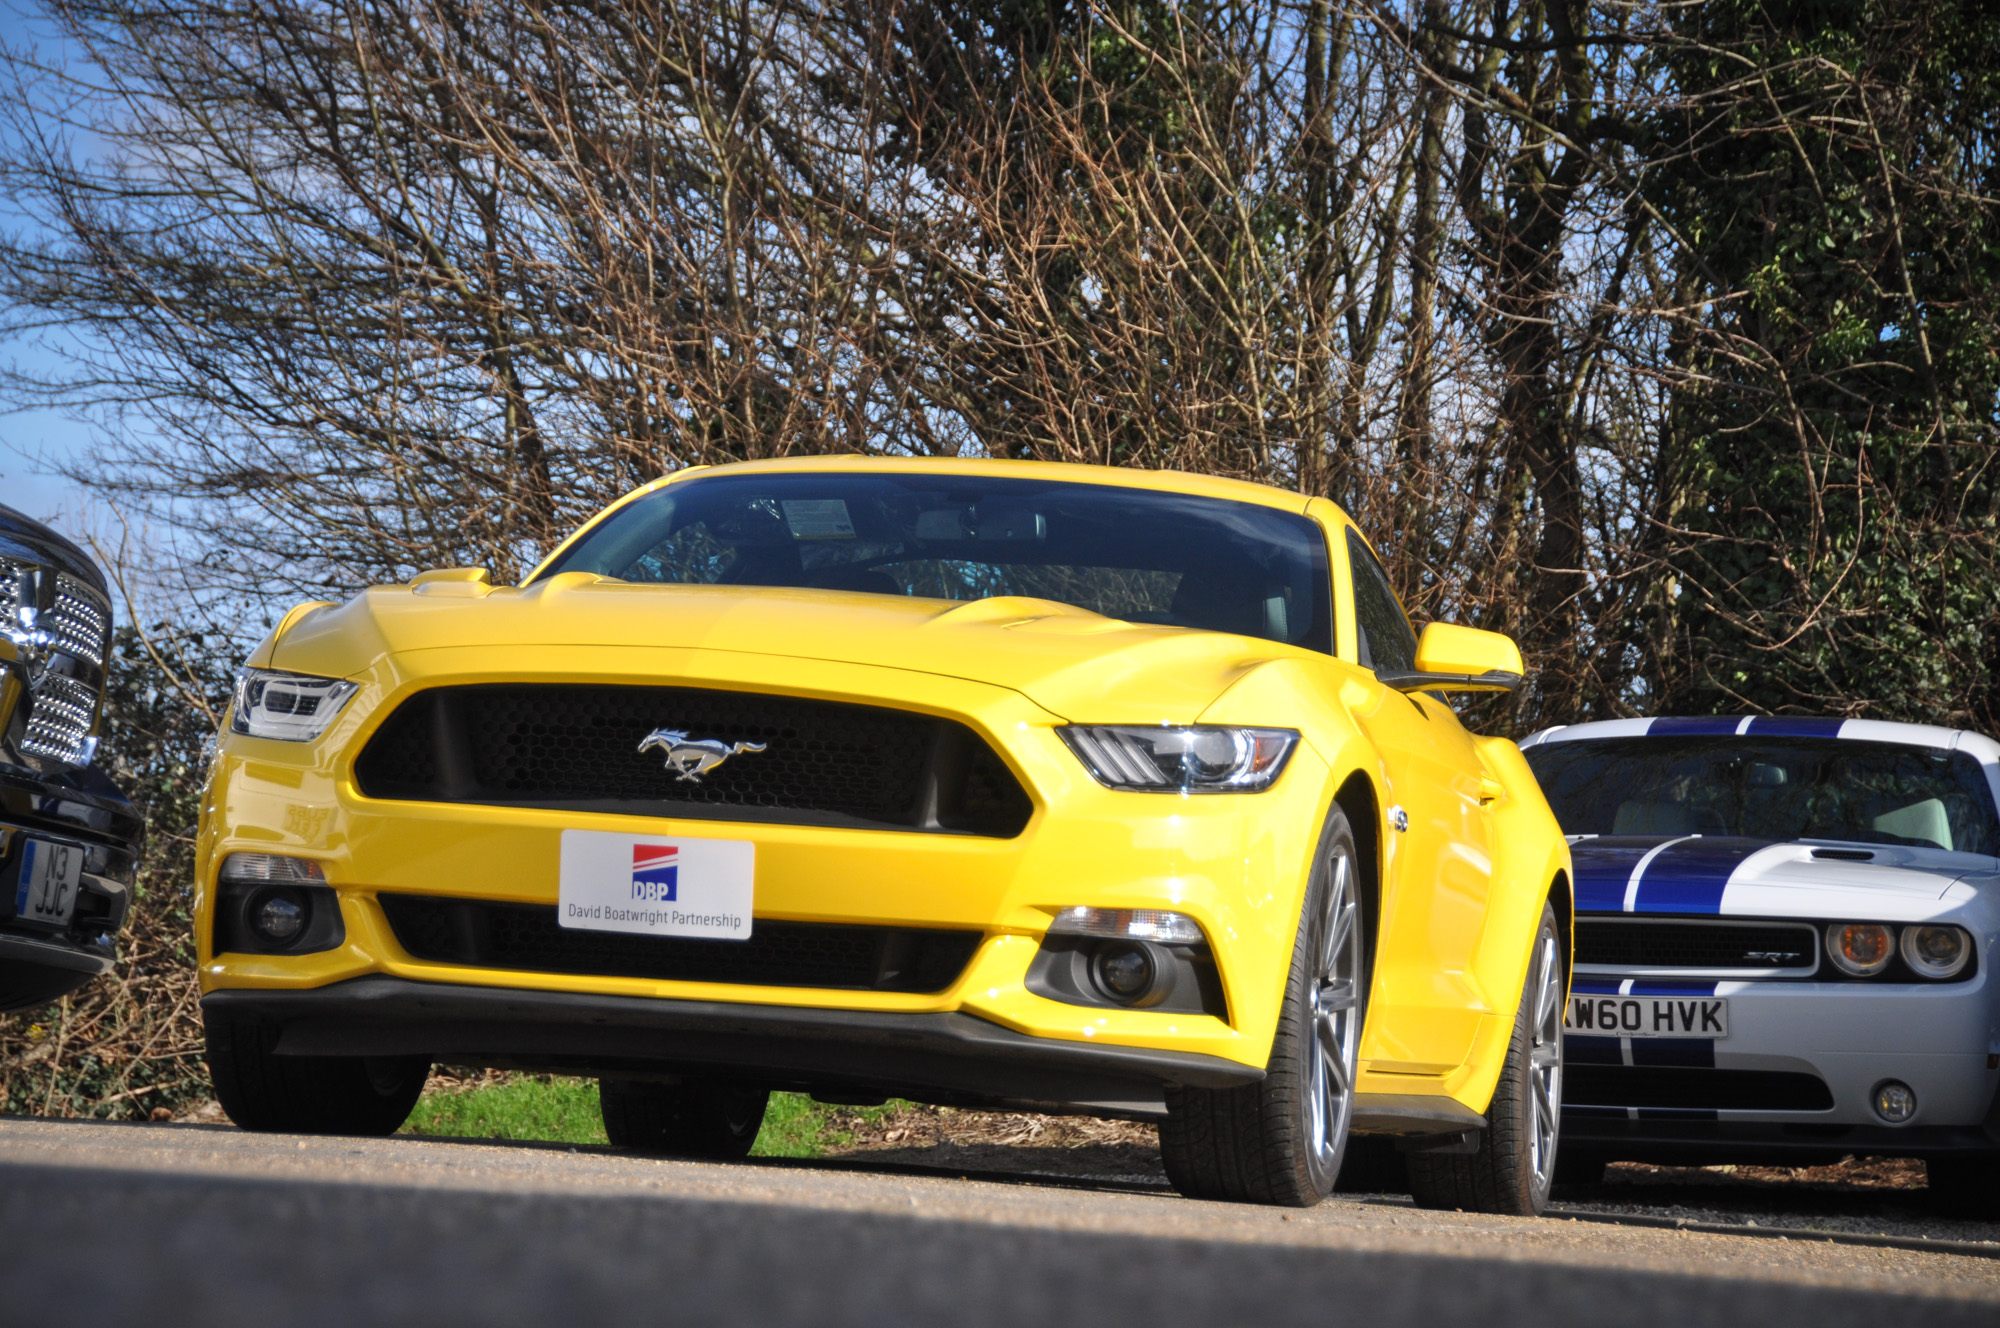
(1545, 1061)
(1336, 1005)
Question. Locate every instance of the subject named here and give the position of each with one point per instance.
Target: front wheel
(693, 1119)
(1516, 1158)
(1281, 1141)
(261, 1090)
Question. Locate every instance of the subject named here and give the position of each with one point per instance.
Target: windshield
(1135, 554)
(1791, 788)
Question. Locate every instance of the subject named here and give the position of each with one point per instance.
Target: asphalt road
(164, 1224)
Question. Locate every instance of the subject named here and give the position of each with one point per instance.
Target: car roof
(1167, 481)
(1977, 745)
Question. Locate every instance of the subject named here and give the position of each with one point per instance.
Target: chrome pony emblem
(692, 758)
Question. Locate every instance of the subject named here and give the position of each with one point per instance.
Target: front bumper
(1847, 1036)
(940, 1056)
(1236, 863)
(37, 964)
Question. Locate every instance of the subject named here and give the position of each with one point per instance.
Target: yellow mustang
(1091, 790)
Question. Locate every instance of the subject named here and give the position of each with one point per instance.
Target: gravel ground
(158, 1225)
(1858, 1196)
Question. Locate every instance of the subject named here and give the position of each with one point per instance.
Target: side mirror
(1461, 659)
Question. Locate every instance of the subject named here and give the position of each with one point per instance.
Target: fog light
(1132, 972)
(1895, 1101)
(1860, 948)
(278, 918)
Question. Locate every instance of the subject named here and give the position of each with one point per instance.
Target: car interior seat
(1231, 601)
(1637, 817)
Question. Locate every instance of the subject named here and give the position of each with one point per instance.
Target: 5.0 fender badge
(690, 759)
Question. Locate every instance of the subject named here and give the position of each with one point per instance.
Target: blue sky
(33, 442)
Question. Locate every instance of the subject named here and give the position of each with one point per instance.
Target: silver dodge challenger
(1785, 933)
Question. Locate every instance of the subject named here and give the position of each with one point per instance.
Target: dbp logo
(655, 872)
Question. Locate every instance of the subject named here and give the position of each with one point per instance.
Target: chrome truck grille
(60, 629)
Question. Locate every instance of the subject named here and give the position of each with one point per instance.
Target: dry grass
(1010, 1141)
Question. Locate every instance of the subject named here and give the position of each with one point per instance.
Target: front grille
(59, 716)
(527, 938)
(1657, 943)
(1690, 1088)
(67, 624)
(81, 621)
(577, 748)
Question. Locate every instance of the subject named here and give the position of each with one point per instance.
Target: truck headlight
(1181, 758)
(291, 707)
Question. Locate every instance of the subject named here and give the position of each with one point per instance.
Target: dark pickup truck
(68, 837)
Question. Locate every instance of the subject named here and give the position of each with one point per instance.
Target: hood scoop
(1843, 854)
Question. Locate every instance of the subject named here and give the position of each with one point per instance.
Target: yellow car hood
(1069, 661)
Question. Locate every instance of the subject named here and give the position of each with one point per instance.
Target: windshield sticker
(818, 518)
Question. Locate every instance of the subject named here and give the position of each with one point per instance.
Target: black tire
(696, 1119)
(1515, 1164)
(1965, 1185)
(260, 1090)
(1282, 1141)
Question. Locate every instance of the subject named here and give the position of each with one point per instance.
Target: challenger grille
(576, 747)
(527, 938)
(1653, 943)
(1693, 1088)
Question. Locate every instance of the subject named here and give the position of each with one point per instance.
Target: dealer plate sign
(657, 886)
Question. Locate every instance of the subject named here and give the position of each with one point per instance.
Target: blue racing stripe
(1691, 1052)
(1670, 987)
(1586, 1050)
(1586, 984)
(1602, 871)
(1693, 725)
(1794, 726)
(1689, 876)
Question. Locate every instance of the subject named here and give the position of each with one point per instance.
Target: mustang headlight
(1193, 758)
(291, 707)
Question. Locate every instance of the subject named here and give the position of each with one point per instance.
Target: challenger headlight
(1937, 952)
(1191, 758)
(291, 707)
(1861, 949)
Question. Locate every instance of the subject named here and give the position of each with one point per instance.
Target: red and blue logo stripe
(655, 873)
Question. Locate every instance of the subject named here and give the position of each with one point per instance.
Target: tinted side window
(1386, 639)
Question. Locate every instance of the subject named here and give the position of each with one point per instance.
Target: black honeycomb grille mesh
(527, 938)
(1694, 1088)
(1665, 944)
(578, 746)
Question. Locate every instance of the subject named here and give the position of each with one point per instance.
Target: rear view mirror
(1460, 659)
